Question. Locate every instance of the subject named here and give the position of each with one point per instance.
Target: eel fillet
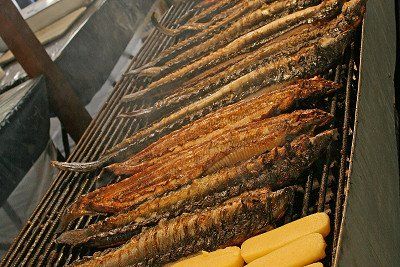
(221, 226)
(286, 20)
(227, 149)
(278, 168)
(235, 39)
(308, 62)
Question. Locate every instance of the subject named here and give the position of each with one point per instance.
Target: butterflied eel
(219, 33)
(210, 80)
(257, 136)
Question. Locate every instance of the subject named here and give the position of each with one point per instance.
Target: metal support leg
(35, 61)
(64, 137)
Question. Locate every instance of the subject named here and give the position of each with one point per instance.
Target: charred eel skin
(278, 168)
(221, 226)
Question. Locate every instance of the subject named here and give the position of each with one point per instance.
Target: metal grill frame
(35, 243)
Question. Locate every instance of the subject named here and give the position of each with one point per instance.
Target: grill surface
(323, 190)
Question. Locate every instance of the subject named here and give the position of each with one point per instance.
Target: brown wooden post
(35, 61)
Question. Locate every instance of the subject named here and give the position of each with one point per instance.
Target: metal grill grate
(323, 190)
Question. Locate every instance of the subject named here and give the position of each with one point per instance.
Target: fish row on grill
(328, 40)
(227, 224)
(286, 44)
(208, 34)
(269, 102)
(205, 176)
(174, 170)
(276, 17)
(278, 168)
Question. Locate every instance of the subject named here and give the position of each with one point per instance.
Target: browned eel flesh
(228, 148)
(271, 102)
(227, 224)
(278, 168)
(274, 100)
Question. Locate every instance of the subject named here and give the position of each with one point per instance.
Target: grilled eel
(227, 224)
(278, 168)
(237, 30)
(325, 10)
(222, 149)
(272, 101)
(233, 41)
(228, 148)
(309, 61)
(284, 46)
(202, 36)
(279, 20)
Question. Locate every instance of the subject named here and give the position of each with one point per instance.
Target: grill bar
(307, 193)
(343, 152)
(35, 243)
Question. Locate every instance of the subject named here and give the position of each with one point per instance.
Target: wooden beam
(35, 61)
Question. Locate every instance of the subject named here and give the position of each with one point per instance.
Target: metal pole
(35, 61)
